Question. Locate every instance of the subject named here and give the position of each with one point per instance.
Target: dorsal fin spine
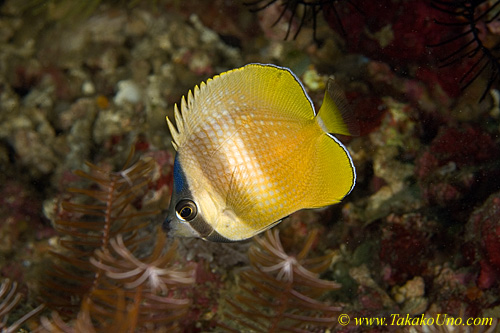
(184, 107)
(178, 120)
(173, 131)
(190, 99)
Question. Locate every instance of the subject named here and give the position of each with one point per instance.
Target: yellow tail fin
(335, 116)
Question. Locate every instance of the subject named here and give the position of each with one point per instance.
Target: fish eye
(186, 210)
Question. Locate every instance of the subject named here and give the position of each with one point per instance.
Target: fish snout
(166, 226)
(175, 228)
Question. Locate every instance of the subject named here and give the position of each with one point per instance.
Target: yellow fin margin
(335, 115)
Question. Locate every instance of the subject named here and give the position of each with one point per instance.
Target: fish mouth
(166, 225)
(175, 228)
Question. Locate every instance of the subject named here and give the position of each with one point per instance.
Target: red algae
(369, 111)
(381, 30)
(464, 146)
(453, 164)
(483, 231)
(402, 42)
(405, 247)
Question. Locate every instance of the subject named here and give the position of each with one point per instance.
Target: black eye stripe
(186, 210)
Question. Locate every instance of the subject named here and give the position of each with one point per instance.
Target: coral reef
(89, 222)
(9, 299)
(295, 13)
(484, 234)
(106, 267)
(457, 161)
(280, 291)
(418, 235)
(450, 43)
(476, 44)
(133, 294)
(404, 240)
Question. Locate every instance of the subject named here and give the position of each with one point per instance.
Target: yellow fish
(251, 150)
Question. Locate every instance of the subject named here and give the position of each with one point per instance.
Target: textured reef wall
(88, 81)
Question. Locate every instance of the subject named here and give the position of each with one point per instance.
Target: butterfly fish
(251, 150)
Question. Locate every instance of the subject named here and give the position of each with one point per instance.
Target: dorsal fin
(252, 88)
(273, 87)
